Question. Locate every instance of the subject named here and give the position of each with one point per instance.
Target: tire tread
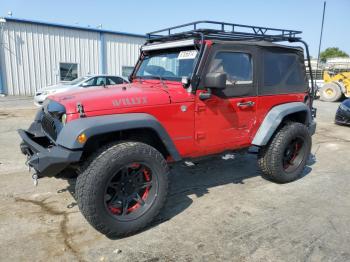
(268, 156)
(87, 181)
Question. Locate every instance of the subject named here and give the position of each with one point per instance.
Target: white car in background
(82, 82)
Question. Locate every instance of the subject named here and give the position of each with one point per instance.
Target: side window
(90, 82)
(114, 80)
(237, 66)
(283, 73)
(100, 81)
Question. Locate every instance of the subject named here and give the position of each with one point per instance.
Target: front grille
(49, 126)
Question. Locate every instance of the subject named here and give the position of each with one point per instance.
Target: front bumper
(46, 159)
(342, 117)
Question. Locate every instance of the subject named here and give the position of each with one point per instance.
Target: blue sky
(144, 16)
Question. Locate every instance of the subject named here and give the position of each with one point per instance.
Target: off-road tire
(270, 157)
(96, 174)
(330, 92)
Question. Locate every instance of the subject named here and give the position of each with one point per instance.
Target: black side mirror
(185, 81)
(215, 80)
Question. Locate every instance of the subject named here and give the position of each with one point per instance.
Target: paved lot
(217, 211)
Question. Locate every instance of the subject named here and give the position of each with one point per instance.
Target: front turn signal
(82, 138)
(64, 119)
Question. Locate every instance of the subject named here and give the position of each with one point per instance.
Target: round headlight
(64, 119)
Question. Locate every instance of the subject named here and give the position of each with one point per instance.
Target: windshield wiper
(138, 78)
(156, 77)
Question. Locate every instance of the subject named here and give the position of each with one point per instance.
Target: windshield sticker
(190, 54)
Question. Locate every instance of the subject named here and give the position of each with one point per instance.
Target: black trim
(50, 118)
(98, 125)
(276, 115)
(46, 161)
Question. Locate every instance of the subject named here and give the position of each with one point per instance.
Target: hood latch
(80, 109)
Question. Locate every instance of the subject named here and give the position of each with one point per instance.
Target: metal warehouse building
(37, 54)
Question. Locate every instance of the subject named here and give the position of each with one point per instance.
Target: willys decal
(130, 101)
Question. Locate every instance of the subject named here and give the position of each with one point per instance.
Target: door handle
(246, 104)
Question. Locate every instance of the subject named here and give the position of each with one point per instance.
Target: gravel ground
(220, 210)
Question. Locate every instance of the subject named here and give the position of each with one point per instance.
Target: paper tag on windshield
(190, 54)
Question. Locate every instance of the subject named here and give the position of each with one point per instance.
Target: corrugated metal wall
(30, 54)
(121, 51)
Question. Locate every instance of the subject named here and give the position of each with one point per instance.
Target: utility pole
(2, 45)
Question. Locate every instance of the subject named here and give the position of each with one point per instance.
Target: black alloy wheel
(293, 154)
(130, 192)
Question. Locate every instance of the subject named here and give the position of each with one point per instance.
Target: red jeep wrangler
(193, 93)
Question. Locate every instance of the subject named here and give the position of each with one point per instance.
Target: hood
(112, 97)
(56, 87)
(346, 103)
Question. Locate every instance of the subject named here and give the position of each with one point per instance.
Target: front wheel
(123, 188)
(285, 157)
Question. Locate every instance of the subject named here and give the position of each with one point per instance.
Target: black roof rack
(223, 31)
(229, 32)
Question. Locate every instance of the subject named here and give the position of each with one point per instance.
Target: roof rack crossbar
(223, 30)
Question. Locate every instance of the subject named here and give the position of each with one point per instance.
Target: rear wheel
(123, 188)
(285, 157)
(330, 92)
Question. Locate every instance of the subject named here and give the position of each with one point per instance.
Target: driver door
(225, 120)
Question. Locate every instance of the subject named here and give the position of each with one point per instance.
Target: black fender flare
(99, 125)
(274, 118)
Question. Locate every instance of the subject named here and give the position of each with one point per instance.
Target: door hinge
(200, 108)
(80, 109)
(200, 135)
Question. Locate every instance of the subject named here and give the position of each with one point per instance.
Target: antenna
(2, 24)
(320, 43)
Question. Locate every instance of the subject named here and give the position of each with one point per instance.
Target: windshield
(168, 66)
(76, 81)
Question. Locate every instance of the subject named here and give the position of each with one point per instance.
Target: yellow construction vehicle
(335, 86)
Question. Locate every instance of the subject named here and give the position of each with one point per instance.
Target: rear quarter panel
(266, 103)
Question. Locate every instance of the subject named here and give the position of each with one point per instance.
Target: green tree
(332, 52)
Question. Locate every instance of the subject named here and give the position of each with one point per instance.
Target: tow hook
(35, 179)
